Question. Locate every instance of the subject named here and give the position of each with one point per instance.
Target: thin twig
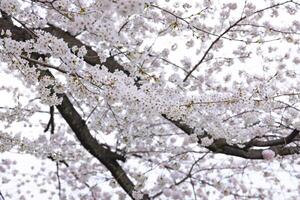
(226, 31)
(51, 121)
(58, 180)
(1, 195)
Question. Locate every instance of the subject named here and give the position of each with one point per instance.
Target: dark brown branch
(91, 57)
(51, 121)
(282, 141)
(187, 129)
(99, 151)
(104, 155)
(221, 146)
(72, 117)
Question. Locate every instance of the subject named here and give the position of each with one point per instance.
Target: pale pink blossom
(268, 154)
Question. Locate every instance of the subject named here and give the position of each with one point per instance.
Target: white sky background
(25, 162)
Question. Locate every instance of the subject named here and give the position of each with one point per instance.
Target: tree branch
(72, 117)
(282, 141)
(51, 123)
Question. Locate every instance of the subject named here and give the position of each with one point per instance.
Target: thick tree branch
(76, 123)
(221, 146)
(91, 57)
(282, 141)
(104, 155)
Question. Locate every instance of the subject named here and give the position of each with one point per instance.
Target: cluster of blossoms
(10, 7)
(151, 98)
(42, 147)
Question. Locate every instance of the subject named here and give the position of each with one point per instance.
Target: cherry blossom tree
(150, 99)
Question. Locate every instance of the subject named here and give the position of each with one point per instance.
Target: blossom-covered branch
(76, 123)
